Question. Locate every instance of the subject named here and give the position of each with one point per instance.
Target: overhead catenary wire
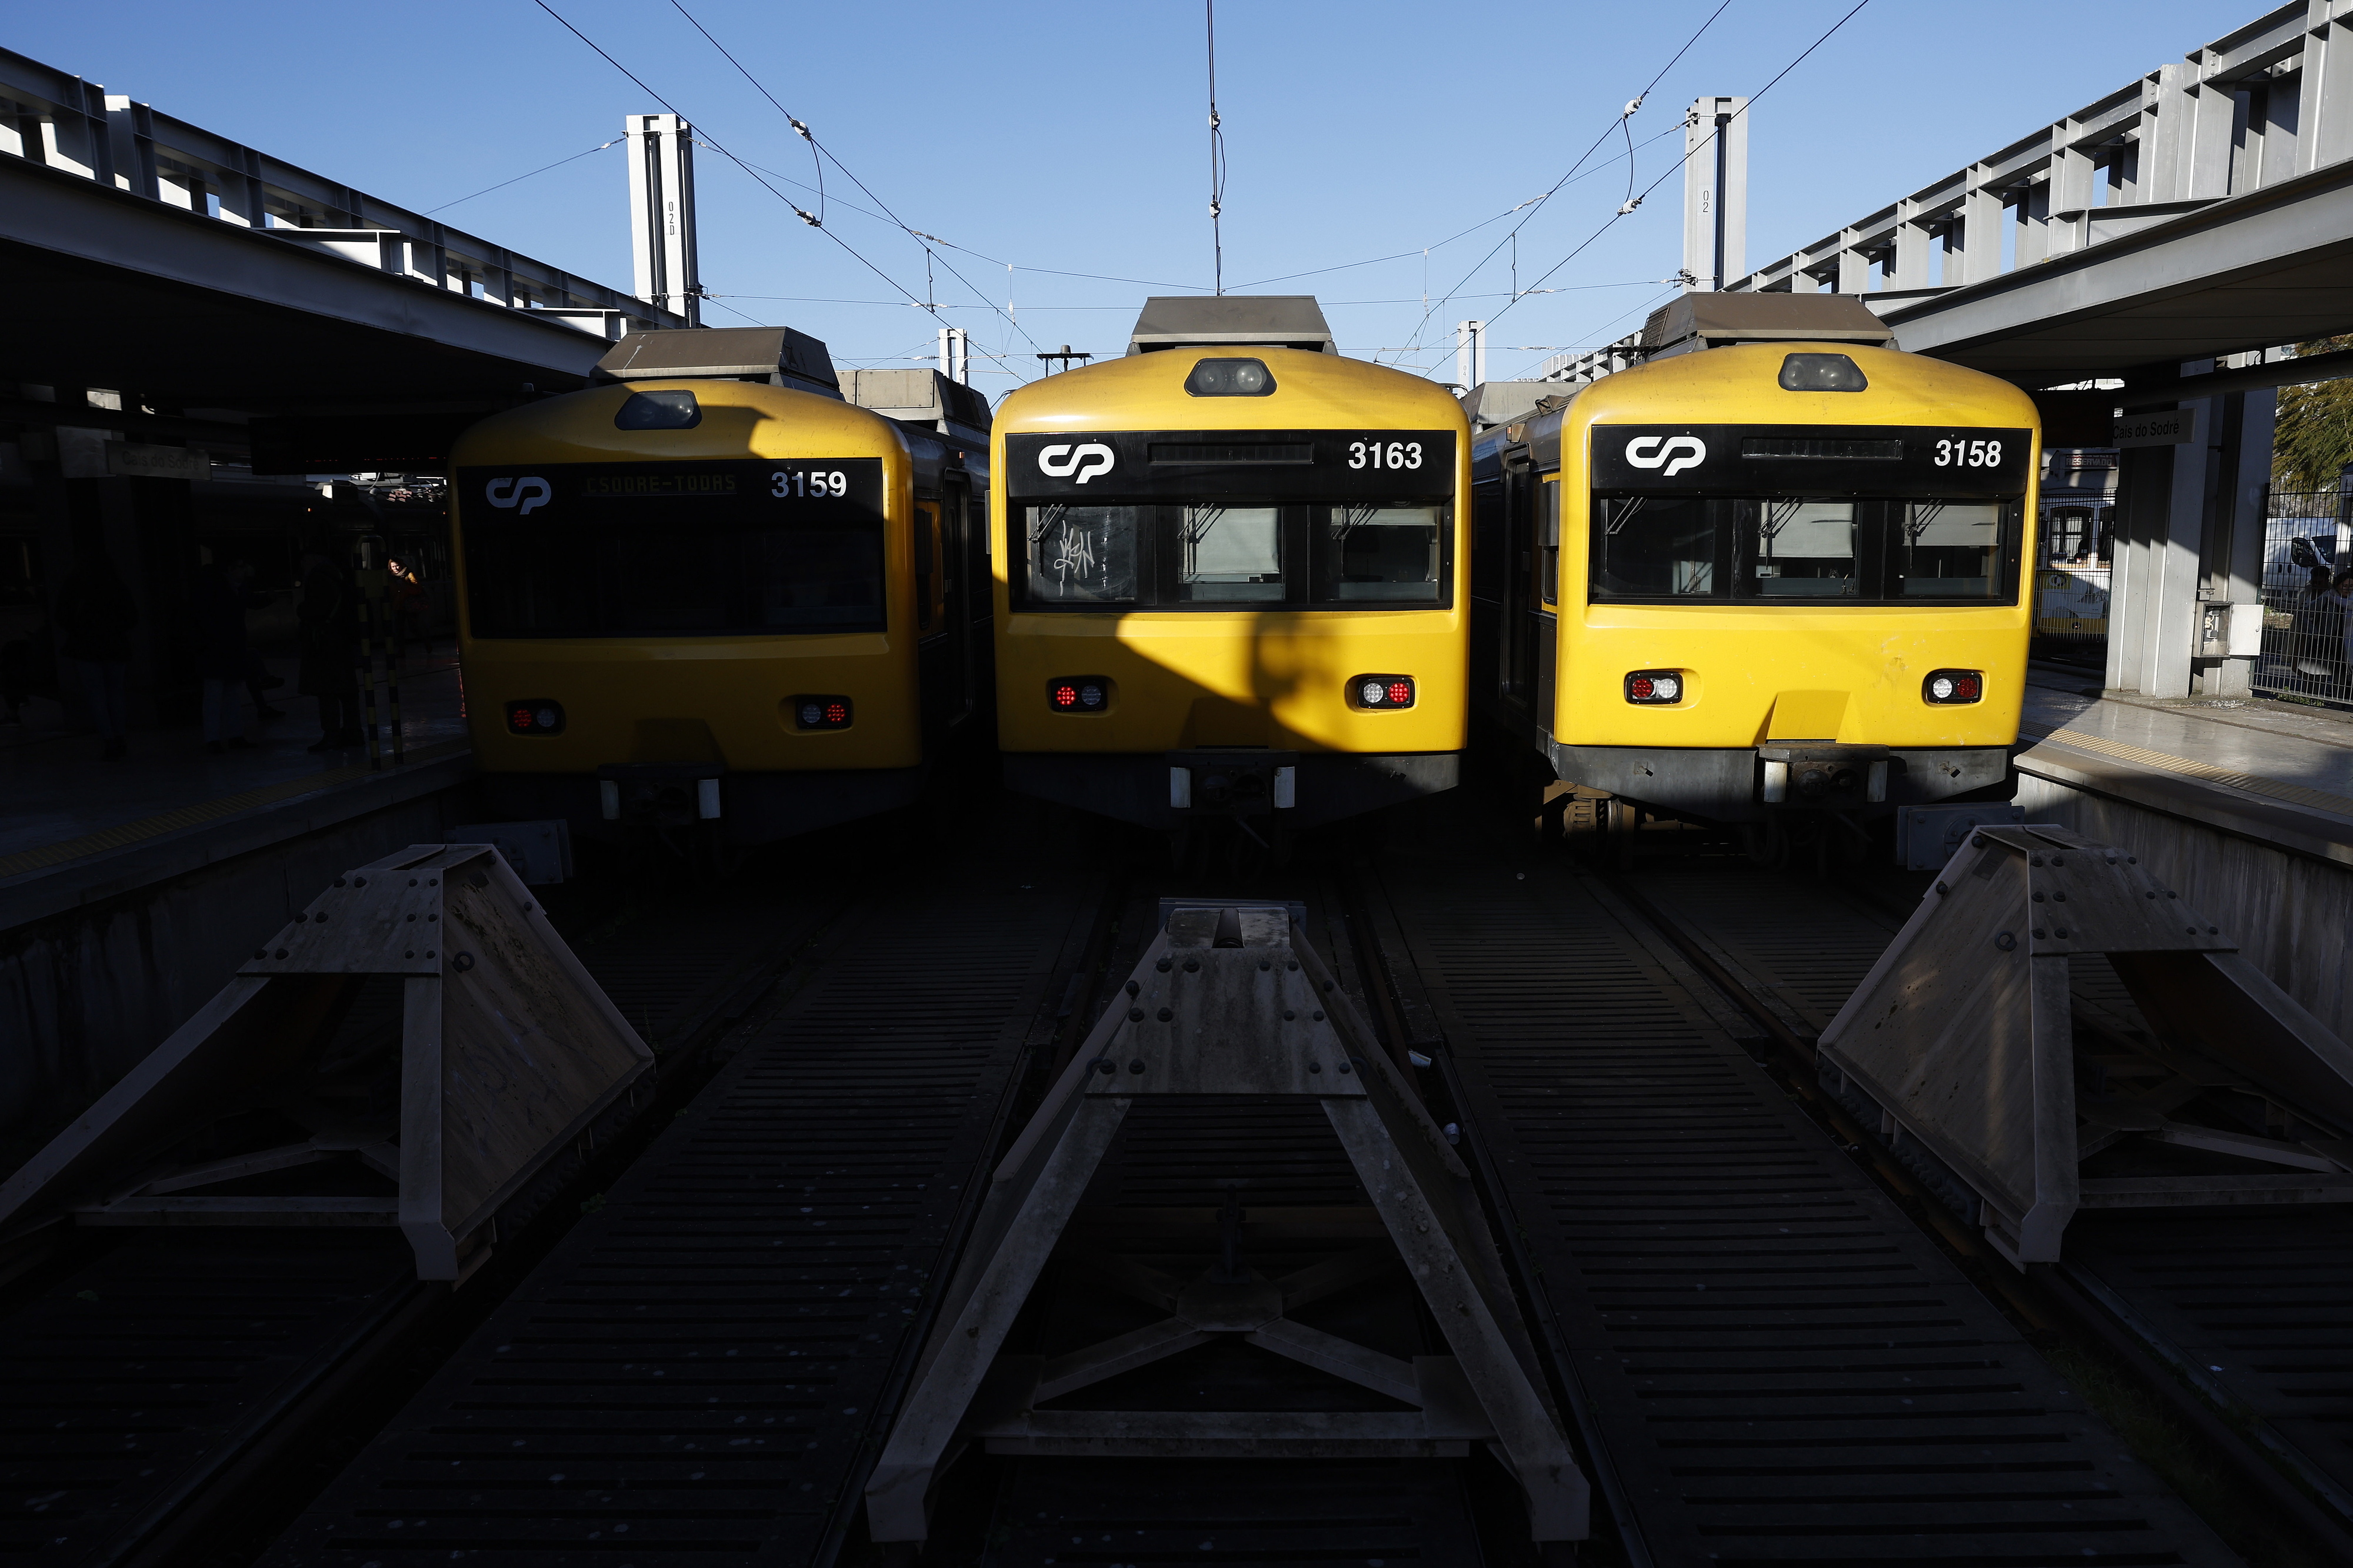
(1440, 244)
(817, 147)
(1624, 115)
(1217, 156)
(542, 169)
(805, 216)
(1679, 162)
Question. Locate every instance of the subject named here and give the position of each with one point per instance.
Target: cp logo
(523, 495)
(1668, 452)
(1077, 464)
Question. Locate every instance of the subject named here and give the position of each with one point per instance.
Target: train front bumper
(1166, 790)
(1743, 783)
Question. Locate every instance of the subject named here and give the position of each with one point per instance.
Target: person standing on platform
(412, 606)
(222, 657)
(329, 615)
(94, 615)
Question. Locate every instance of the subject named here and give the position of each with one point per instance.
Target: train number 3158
(1373, 455)
(1954, 452)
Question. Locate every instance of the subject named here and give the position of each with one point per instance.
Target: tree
(2312, 440)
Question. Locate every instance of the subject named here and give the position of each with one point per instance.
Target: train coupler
(1822, 775)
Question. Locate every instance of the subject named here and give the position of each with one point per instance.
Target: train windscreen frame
(1808, 515)
(733, 547)
(1232, 520)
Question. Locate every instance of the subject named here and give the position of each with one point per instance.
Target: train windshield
(1237, 553)
(1802, 548)
(1807, 514)
(675, 549)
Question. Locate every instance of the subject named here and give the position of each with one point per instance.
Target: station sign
(2158, 427)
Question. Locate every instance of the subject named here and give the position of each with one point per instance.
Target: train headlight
(1654, 687)
(1822, 373)
(1380, 693)
(1079, 694)
(535, 716)
(1230, 378)
(1944, 687)
(819, 710)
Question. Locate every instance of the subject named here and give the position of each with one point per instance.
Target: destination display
(1920, 460)
(823, 490)
(1272, 465)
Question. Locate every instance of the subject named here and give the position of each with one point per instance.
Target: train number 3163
(1954, 452)
(1373, 455)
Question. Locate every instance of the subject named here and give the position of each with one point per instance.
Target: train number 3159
(804, 484)
(1373, 455)
(1954, 452)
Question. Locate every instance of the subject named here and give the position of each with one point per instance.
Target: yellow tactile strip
(146, 827)
(2165, 761)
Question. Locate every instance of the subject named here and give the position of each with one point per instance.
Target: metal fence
(2308, 598)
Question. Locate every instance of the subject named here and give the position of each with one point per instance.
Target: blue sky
(1070, 138)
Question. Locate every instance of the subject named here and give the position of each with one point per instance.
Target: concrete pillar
(1853, 265)
(2216, 114)
(2232, 552)
(662, 213)
(1715, 191)
(1911, 242)
(2153, 586)
(1973, 250)
(2323, 114)
(147, 529)
(2034, 227)
(2074, 176)
(2168, 121)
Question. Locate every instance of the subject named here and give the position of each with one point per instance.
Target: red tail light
(1380, 693)
(1947, 687)
(821, 711)
(535, 716)
(1079, 694)
(1654, 687)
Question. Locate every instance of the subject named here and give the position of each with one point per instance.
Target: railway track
(2235, 1321)
(1779, 1366)
(703, 1367)
(1767, 1358)
(162, 1387)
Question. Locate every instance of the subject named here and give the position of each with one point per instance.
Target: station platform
(2278, 772)
(79, 830)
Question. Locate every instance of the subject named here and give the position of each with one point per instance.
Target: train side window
(1487, 540)
(1081, 554)
(1549, 539)
(927, 571)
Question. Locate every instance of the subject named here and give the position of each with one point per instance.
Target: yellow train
(1777, 580)
(1229, 575)
(717, 600)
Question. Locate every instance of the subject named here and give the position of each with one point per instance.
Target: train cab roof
(921, 400)
(1702, 320)
(1231, 322)
(776, 355)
